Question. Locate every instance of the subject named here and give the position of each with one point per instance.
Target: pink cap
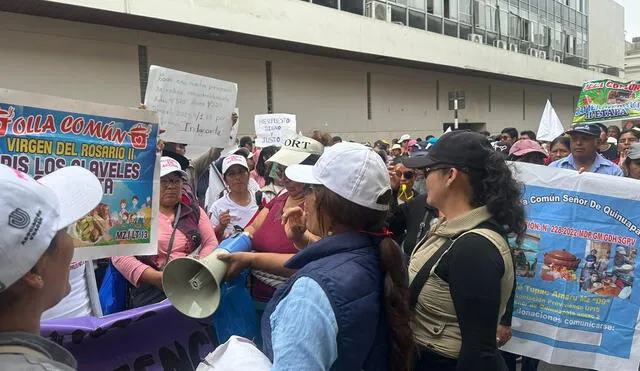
(412, 142)
(524, 146)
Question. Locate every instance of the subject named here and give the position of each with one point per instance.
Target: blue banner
(38, 136)
(578, 295)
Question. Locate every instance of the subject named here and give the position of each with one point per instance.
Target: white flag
(550, 126)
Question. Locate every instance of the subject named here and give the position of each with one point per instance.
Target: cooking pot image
(561, 258)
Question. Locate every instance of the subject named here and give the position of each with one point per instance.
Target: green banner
(608, 100)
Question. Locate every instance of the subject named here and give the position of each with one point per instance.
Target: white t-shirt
(77, 303)
(240, 215)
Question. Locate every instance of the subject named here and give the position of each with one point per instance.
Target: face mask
(275, 172)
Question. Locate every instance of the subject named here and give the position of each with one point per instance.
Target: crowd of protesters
(390, 255)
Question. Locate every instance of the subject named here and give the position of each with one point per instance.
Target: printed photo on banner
(193, 109)
(608, 100)
(576, 302)
(273, 129)
(40, 134)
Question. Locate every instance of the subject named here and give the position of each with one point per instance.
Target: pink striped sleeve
(209, 240)
(130, 267)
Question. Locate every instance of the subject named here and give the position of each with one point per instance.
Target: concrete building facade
(632, 60)
(349, 74)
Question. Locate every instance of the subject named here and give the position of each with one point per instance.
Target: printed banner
(39, 134)
(273, 129)
(578, 295)
(154, 337)
(608, 100)
(193, 109)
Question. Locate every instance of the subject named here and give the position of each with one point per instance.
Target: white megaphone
(193, 286)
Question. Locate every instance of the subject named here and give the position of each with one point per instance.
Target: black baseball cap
(460, 148)
(584, 128)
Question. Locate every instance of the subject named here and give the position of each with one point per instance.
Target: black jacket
(410, 221)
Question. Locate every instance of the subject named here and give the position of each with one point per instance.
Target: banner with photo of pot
(578, 290)
(608, 100)
(40, 134)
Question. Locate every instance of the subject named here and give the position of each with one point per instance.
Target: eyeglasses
(406, 174)
(165, 182)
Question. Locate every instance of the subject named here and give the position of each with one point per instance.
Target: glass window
(352, 6)
(565, 12)
(399, 14)
(417, 19)
(479, 14)
(465, 11)
(491, 18)
(434, 7)
(416, 4)
(525, 30)
(550, 6)
(514, 25)
(465, 31)
(503, 23)
(451, 9)
(434, 24)
(329, 3)
(450, 28)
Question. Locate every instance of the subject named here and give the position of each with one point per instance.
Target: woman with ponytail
(461, 276)
(345, 307)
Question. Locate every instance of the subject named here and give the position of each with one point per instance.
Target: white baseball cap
(169, 165)
(296, 149)
(396, 146)
(32, 212)
(233, 160)
(404, 138)
(351, 170)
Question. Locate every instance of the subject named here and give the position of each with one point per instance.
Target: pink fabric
(271, 237)
(257, 178)
(132, 268)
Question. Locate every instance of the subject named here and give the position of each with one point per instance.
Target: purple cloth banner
(154, 337)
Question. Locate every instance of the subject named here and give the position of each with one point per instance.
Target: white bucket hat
(32, 212)
(296, 149)
(351, 170)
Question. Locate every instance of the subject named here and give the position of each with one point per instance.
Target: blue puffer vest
(347, 267)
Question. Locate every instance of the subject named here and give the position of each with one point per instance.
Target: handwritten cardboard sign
(273, 129)
(193, 109)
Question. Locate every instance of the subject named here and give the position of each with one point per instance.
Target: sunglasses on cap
(406, 174)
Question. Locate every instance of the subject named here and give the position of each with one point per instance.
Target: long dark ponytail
(395, 279)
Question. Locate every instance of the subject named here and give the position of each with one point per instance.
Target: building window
(399, 15)
(491, 18)
(434, 7)
(434, 24)
(450, 28)
(416, 4)
(451, 9)
(479, 13)
(352, 6)
(327, 3)
(465, 11)
(417, 19)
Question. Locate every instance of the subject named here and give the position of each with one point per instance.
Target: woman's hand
(237, 262)
(225, 219)
(294, 221)
(503, 335)
(395, 181)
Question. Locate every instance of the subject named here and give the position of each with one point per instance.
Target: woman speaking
(462, 276)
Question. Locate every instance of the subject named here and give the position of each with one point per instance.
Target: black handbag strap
(423, 274)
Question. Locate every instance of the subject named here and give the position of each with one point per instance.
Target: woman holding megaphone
(351, 282)
(183, 229)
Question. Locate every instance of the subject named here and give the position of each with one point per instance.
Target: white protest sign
(273, 129)
(193, 109)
